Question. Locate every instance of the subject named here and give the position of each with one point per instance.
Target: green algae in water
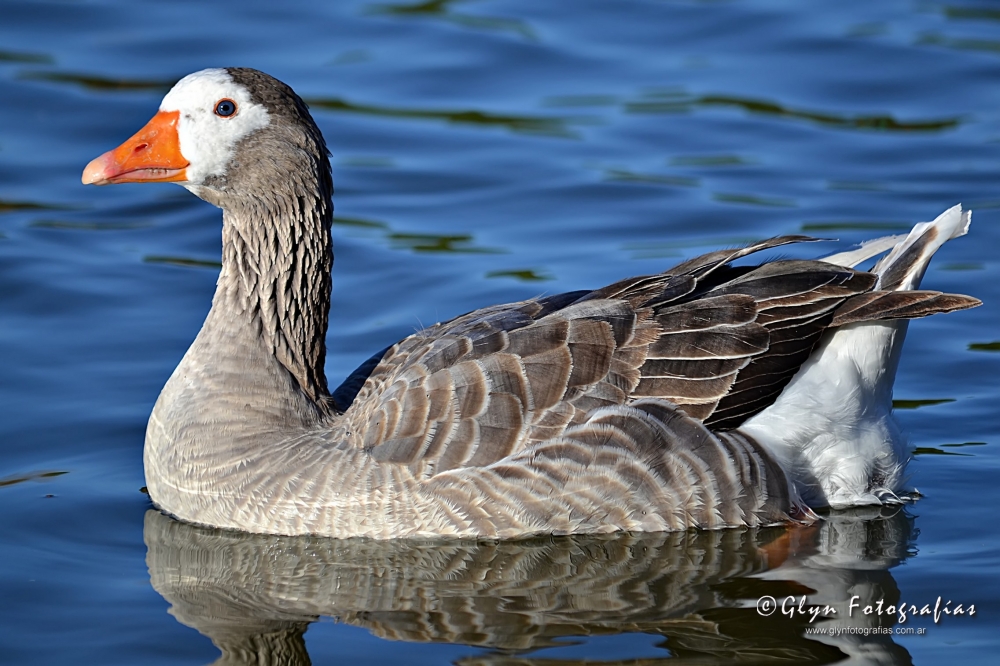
(524, 275)
(183, 262)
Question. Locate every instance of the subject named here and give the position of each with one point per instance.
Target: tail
(904, 267)
(832, 427)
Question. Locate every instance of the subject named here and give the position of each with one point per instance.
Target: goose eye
(225, 108)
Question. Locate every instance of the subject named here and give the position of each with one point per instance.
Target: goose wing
(717, 340)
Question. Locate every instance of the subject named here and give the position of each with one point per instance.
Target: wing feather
(714, 342)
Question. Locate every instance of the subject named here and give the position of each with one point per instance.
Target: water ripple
(21, 57)
(679, 103)
(30, 476)
(101, 83)
(546, 125)
(441, 10)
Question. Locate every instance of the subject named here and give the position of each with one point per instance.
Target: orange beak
(153, 155)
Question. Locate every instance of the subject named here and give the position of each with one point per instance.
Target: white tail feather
(867, 250)
(950, 224)
(832, 427)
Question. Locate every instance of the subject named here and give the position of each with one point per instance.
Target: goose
(711, 395)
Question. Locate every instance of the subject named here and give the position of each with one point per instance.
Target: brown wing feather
(795, 302)
(900, 305)
(720, 342)
(478, 388)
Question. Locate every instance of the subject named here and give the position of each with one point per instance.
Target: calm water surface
(488, 151)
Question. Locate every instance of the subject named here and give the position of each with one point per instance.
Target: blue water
(487, 151)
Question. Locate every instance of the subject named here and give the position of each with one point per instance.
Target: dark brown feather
(899, 305)
(720, 342)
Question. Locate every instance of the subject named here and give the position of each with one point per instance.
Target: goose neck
(275, 280)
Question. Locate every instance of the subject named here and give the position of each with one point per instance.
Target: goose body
(708, 396)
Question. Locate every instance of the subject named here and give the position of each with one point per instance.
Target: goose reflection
(254, 596)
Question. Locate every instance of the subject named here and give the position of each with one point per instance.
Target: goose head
(245, 142)
(233, 134)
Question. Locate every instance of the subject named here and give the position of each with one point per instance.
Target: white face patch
(207, 139)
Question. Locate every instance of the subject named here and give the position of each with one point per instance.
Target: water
(487, 151)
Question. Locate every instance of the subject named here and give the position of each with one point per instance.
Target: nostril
(141, 147)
